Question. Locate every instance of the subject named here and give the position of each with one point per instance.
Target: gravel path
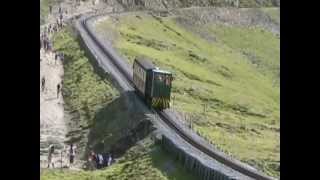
(53, 121)
(53, 128)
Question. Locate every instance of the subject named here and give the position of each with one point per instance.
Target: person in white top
(51, 151)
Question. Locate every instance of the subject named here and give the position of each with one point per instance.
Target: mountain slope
(233, 74)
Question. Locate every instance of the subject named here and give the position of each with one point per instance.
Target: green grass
(237, 77)
(274, 14)
(101, 110)
(145, 161)
(85, 92)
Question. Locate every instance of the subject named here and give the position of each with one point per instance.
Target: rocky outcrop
(172, 4)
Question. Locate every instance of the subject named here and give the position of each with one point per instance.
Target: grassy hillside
(101, 116)
(84, 90)
(236, 77)
(144, 161)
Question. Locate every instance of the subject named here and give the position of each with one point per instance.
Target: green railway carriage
(151, 83)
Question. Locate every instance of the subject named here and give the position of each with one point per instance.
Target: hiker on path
(109, 160)
(100, 161)
(61, 55)
(72, 154)
(51, 151)
(61, 17)
(58, 91)
(49, 46)
(56, 56)
(50, 8)
(92, 160)
(60, 9)
(43, 83)
(57, 22)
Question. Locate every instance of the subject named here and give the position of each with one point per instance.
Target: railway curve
(125, 81)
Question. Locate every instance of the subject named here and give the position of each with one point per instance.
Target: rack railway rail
(126, 76)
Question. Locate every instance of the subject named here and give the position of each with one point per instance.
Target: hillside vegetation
(100, 119)
(235, 75)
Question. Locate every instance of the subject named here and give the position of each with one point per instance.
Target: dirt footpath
(53, 121)
(53, 128)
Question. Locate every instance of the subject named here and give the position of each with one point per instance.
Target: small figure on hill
(61, 17)
(60, 9)
(61, 56)
(49, 46)
(50, 9)
(43, 83)
(56, 56)
(92, 160)
(72, 154)
(57, 22)
(58, 90)
(51, 151)
(100, 161)
(109, 160)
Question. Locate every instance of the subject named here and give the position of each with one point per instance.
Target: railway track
(126, 76)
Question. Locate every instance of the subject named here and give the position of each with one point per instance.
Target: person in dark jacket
(72, 154)
(43, 83)
(58, 92)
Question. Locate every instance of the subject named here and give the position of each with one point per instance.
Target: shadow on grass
(118, 126)
(121, 123)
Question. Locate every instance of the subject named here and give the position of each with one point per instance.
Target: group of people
(50, 29)
(71, 154)
(45, 43)
(43, 85)
(98, 160)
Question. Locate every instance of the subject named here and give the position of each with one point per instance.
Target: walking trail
(53, 125)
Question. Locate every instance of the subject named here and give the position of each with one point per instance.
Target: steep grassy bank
(102, 119)
(235, 76)
(85, 93)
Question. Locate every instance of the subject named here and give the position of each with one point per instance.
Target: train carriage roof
(145, 63)
(161, 71)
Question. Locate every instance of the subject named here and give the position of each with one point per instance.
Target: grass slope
(84, 90)
(95, 100)
(236, 77)
(144, 161)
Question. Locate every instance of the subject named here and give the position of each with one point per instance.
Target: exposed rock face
(171, 4)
